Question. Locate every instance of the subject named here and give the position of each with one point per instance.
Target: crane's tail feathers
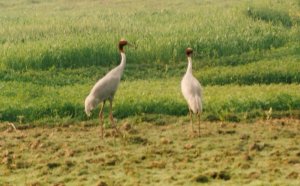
(88, 113)
(199, 103)
(195, 104)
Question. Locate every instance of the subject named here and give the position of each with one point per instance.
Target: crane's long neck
(123, 60)
(189, 68)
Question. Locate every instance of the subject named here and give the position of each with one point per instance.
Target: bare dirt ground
(260, 153)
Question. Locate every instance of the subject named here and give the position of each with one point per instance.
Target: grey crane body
(192, 91)
(106, 87)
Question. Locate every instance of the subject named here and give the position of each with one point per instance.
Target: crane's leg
(191, 120)
(101, 119)
(199, 117)
(112, 118)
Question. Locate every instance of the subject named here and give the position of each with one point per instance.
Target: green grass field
(246, 56)
(52, 52)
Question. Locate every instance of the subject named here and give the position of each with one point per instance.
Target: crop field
(246, 56)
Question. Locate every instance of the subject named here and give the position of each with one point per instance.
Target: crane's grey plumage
(192, 90)
(106, 88)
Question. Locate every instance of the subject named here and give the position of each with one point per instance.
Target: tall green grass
(285, 70)
(262, 72)
(52, 52)
(270, 15)
(32, 102)
(66, 35)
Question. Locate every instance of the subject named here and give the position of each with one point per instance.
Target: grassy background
(52, 52)
(247, 57)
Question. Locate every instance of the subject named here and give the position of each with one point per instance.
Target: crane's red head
(189, 52)
(122, 43)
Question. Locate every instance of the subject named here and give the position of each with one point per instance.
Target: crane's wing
(107, 86)
(192, 92)
(197, 87)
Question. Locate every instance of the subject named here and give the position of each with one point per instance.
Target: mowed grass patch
(264, 152)
(25, 102)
